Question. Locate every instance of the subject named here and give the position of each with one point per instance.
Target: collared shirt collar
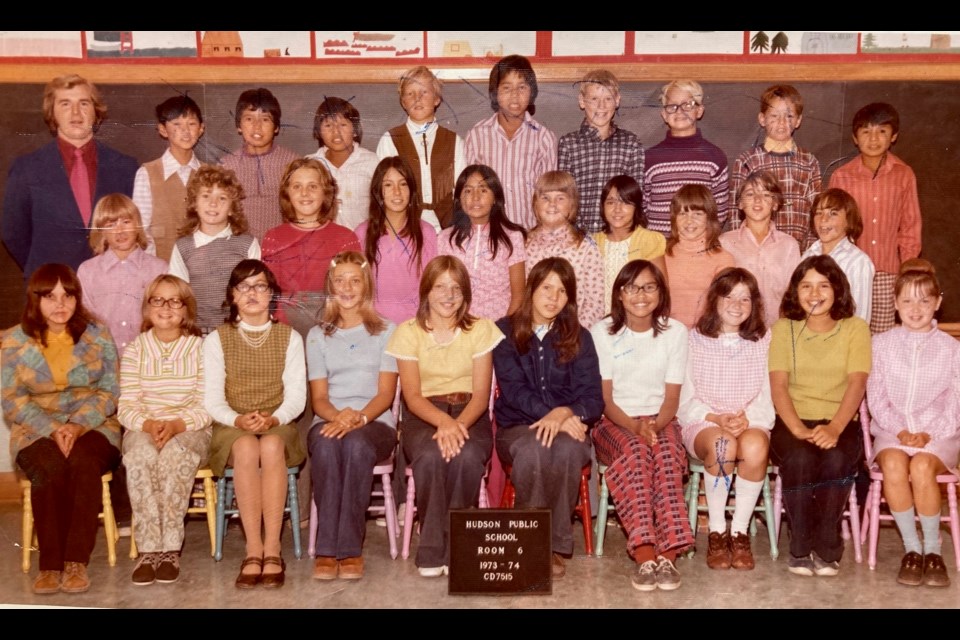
(171, 165)
(110, 260)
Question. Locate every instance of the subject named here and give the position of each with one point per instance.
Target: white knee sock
(908, 529)
(717, 492)
(748, 491)
(931, 533)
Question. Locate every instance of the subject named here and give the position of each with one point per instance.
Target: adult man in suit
(50, 193)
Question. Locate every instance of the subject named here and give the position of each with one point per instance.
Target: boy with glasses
(683, 157)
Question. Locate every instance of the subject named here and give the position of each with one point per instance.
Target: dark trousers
(816, 487)
(545, 477)
(341, 470)
(66, 495)
(443, 485)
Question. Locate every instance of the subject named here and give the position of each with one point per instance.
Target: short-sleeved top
(351, 360)
(489, 276)
(641, 365)
(444, 368)
(818, 363)
(771, 261)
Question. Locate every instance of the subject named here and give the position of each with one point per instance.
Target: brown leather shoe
(911, 569)
(741, 555)
(557, 568)
(274, 580)
(47, 581)
(75, 579)
(249, 580)
(325, 568)
(935, 571)
(351, 568)
(718, 550)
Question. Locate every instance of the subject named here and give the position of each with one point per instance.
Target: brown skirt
(223, 438)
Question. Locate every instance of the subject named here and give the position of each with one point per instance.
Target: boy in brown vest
(435, 153)
(160, 187)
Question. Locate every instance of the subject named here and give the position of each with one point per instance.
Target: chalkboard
(929, 136)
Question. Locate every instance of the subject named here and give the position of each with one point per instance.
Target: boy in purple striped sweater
(683, 157)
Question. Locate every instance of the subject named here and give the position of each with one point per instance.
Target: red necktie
(80, 184)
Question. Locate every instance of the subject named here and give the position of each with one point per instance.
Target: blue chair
(767, 508)
(225, 508)
(604, 509)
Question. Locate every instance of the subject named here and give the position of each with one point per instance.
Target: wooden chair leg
(210, 502)
(27, 537)
(109, 524)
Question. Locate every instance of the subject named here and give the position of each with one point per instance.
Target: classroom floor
(590, 582)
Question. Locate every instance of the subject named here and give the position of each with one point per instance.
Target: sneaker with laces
(823, 568)
(668, 578)
(802, 566)
(145, 573)
(168, 567)
(718, 550)
(741, 554)
(935, 571)
(645, 577)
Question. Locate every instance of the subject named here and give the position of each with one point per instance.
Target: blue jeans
(342, 474)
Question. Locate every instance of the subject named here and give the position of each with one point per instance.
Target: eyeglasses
(632, 289)
(687, 106)
(157, 301)
(260, 287)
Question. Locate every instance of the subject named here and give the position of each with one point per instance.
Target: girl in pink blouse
(113, 281)
(914, 397)
(694, 254)
(726, 411)
(555, 203)
(490, 246)
(396, 240)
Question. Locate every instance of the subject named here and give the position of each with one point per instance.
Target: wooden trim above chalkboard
(569, 71)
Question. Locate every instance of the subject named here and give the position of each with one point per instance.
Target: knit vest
(254, 380)
(441, 168)
(209, 268)
(169, 207)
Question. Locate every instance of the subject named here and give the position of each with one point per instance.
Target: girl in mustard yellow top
(624, 236)
(819, 362)
(446, 364)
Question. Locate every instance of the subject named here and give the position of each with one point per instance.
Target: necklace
(313, 224)
(260, 336)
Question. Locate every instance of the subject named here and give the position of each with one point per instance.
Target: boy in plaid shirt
(797, 170)
(599, 149)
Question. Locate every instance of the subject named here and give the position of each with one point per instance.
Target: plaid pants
(882, 311)
(646, 484)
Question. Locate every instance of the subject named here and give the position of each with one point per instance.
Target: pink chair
(871, 523)
(411, 508)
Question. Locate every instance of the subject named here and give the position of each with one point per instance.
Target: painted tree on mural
(760, 42)
(779, 43)
(869, 41)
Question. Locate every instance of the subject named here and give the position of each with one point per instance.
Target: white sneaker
(432, 572)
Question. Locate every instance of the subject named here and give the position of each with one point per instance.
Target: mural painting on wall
(255, 44)
(910, 42)
(802, 42)
(481, 44)
(369, 44)
(141, 44)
